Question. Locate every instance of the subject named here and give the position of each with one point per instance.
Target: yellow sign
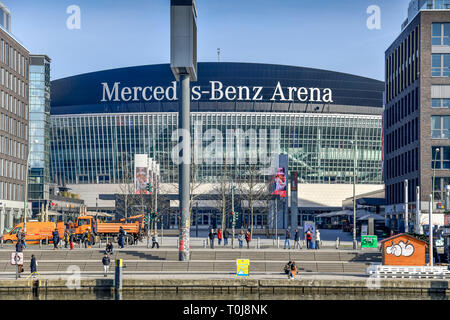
(242, 267)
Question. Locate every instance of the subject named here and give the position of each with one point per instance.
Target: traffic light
(234, 217)
(149, 187)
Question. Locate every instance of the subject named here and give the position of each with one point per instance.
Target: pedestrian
(226, 235)
(109, 248)
(121, 237)
(106, 263)
(248, 238)
(287, 268)
(287, 238)
(155, 241)
(317, 238)
(85, 239)
(66, 238)
(211, 236)
(21, 238)
(136, 238)
(293, 271)
(33, 265)
(219, 236)
(308, 236)
(55, 235)
(297, 240)
(19, 246)
(241, 238)
(71, 239)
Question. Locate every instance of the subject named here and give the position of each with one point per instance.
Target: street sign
(242, 267)
(369, 241)
(17, 257)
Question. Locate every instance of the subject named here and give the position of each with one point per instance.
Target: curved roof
(84, 93)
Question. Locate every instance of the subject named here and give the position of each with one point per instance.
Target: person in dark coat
(106, 261)
(226, 235)
(297, 239)
(19, 246)
(33, 264)
(211, 238)
(109, 248)
(55, 238)
(121, 237)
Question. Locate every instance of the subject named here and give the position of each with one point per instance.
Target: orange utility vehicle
(140, 218)
(107, 229)
(36, 231)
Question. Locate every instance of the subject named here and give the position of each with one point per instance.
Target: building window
(440, 126)
(441, 34)
(440, 65)
(440, 159)
(438, 4)
(440, 103)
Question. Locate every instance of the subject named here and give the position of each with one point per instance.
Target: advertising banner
(141, 173)
(280, 182)
(242, 267)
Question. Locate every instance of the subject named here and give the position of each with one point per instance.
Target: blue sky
(327, 34)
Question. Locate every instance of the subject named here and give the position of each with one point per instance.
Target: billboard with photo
(280, 182)
(141, 180)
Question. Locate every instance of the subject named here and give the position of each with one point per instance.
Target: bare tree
(222, 190)
(127, 188)
(252, 190)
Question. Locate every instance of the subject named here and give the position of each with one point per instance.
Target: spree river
(150, 295)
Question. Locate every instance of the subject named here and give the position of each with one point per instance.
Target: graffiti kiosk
(404, 250)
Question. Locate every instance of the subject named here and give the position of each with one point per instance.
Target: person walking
(33, 265)
(106, 263)
(248, 238)
(211, 236)
(293, 271)
(121, 237)
(85, 239)
(287, 239)
(109, 248)
(66, 238)
(241, 238)
(71, 239)
(219, 236)
(55, 235)
(297, 240)
(155, 241)
(308, 236)
(317, 239)
(226, 235)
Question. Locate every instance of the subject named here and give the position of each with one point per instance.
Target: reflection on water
(150, 295)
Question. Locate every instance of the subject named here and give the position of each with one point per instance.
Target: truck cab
(84, 223)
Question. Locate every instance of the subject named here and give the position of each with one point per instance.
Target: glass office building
(97, 149)
(39, 165)
(319, 118)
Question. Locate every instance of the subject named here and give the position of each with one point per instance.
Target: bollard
(257, 244)
(337, 243)
(204, 244)
(2, 242)
(46, 241)
(79, 243)
(40, 244)
(126, 241)
(118, 275)
(99, 242)
(278, 242)
(148, 242)
(301, 244)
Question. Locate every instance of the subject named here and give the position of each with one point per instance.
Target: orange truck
(107, 229)
(36, 231)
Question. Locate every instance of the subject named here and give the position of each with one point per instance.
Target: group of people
(311, 237)
(225, 235)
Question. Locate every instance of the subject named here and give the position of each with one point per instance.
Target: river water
(150, 295)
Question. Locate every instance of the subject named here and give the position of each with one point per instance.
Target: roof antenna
(218, 54)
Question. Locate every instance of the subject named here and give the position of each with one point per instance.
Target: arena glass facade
(100, 120)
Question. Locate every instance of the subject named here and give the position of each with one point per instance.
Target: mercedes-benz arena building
(101, 120)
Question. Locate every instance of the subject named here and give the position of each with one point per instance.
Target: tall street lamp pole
(355, 244)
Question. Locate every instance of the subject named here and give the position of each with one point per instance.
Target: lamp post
(355, 244)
